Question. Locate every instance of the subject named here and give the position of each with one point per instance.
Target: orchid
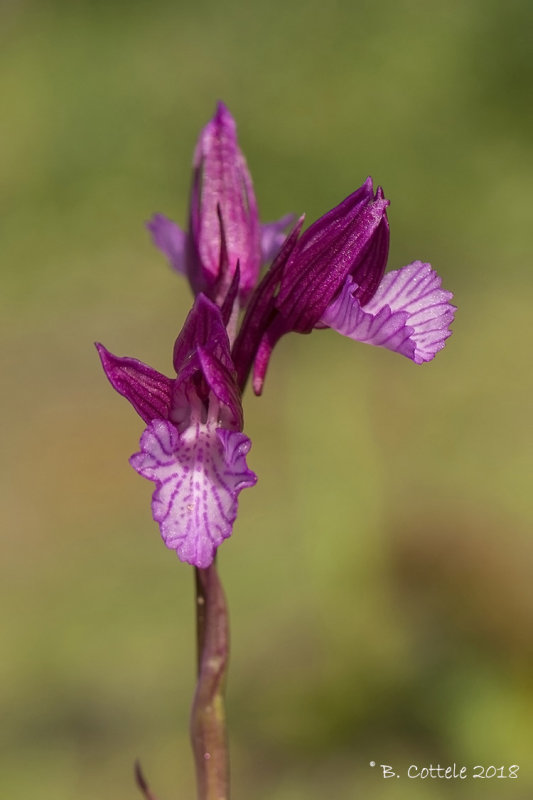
(224, 227)
(333, 275)
(193, 447)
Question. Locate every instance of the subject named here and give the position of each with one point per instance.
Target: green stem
(208, 718)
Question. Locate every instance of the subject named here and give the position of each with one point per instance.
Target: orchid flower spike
(224, 227)
(333, 276)
(193, 447)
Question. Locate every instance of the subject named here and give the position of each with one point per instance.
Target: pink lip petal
(409, 313)
(198, 475)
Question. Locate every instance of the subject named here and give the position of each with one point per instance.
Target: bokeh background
(379, 576)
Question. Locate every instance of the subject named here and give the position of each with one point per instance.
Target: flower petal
(272, 237)
(198, 474)
(409, 313)
(170, 239)
(149, 392)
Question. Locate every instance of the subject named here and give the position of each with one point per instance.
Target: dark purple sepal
(149, 392)
(348, 239)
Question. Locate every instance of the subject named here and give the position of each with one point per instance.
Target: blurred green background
(379, 576)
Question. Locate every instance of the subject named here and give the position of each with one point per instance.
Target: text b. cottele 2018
(451, 772)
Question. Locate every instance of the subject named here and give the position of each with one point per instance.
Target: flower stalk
(208, 714)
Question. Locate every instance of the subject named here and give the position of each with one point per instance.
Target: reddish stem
(208, 719)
